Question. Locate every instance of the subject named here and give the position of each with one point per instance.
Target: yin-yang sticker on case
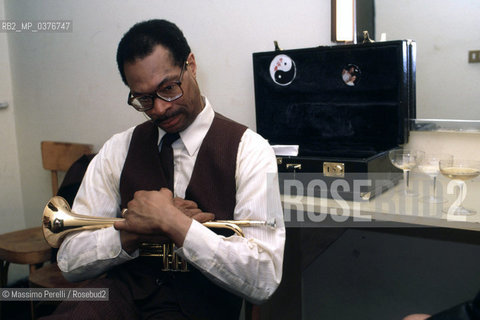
(283, 70)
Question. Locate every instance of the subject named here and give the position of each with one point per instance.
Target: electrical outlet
(474, 56)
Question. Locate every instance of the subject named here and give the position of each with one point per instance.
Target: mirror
(448, 87)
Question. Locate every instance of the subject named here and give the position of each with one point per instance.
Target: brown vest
(212, 186)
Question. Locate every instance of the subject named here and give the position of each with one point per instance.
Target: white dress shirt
(250, 267)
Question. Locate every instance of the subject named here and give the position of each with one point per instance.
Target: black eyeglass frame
(155, 95)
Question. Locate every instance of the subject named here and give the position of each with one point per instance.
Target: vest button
(159, 282)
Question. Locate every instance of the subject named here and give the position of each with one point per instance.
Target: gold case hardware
(294, 166)
(366, 195)
(334, 169)
(279, 161)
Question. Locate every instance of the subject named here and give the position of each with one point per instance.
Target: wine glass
(406, 160)
(430, 166)
(460, 170)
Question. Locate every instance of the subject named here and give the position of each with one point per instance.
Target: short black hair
(144, 36)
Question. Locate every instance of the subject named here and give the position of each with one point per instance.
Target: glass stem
(461, 194)
(406, 177)
(434, 186)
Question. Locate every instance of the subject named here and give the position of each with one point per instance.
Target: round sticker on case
(283, 70)
(351, 75)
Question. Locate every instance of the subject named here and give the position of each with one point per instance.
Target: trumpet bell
(52, 221)
(58, 221)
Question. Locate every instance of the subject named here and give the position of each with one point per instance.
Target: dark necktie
(166, 157)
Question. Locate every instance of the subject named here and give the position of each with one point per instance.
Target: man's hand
(149, 212)
(153, 213)
(190, 209)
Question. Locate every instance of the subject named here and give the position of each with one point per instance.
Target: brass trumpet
(59, 220)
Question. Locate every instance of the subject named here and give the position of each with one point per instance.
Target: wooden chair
(29, 246)
(59, 156)
(56, 156)
(22, 247)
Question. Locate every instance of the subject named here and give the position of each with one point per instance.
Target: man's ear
(192, 64)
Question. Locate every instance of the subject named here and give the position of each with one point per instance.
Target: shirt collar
(192, 137)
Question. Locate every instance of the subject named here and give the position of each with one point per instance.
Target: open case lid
(339, 100)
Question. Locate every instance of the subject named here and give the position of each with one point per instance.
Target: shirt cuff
(200, 246)
(114, 249)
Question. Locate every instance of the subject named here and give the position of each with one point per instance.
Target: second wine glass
(406, 160)
(431, 167)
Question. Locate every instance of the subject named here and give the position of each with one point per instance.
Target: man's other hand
(190, 209)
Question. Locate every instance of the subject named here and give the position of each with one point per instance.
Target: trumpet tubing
(58, 220)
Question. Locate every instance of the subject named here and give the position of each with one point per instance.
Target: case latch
(294, 166)
(334, 169)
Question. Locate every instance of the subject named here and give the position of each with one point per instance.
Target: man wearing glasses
(166, 177)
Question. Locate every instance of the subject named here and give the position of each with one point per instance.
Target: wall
(66, 85)
(11, 204)
(11, 207)
(445, 30)
(463, 145)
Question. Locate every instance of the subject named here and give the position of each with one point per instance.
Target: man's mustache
(158, 120)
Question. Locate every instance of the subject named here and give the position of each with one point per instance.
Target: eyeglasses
(169, 92)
